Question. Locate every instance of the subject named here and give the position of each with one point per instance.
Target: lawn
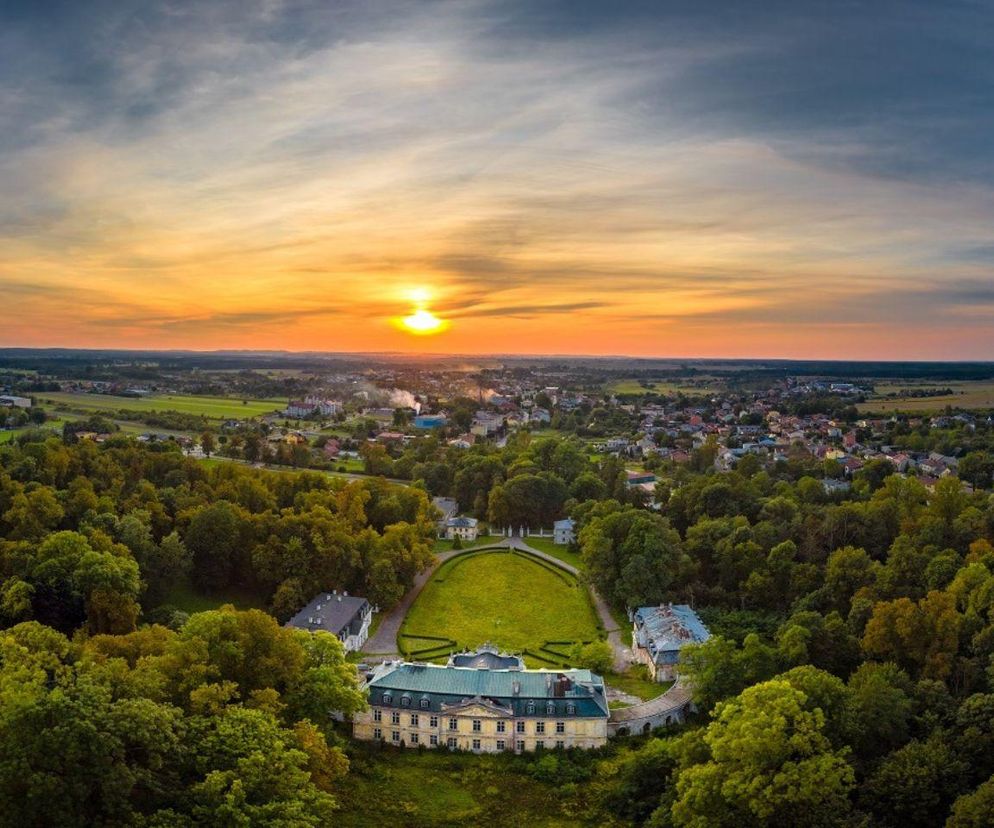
(637, 682)
(507, 599)
(190, 599)
(967, 395)
(564, 553)
(438, 788)
(218, 408)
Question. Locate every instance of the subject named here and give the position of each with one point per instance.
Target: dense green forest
(850, 680)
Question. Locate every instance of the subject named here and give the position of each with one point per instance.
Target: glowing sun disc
(423, 322)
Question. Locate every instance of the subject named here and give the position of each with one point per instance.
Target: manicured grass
(564, 553)
(442, 789)
(637, 682)
(506, 599)
(213, 407)
(190, 599)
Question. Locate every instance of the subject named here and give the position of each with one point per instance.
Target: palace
(484, 702)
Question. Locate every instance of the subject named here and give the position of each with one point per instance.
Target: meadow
(564, 553)
(633, 386)
(217, 408)
(967, 395)
(503, 598)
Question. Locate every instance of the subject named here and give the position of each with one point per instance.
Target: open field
(969, 395)
(502, 598)
(632, 386)
(438, 788)
(190, 599)
(218, 408)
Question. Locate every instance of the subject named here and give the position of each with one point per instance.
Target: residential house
(464, 528)
(345, 616)
(564, 532)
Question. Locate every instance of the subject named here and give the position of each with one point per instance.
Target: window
(500, 726)
(453, 724)
(395, 717)
(414, 720)
(395, 736)
(519, 727)
(476, 744)
(570, 709)
(433, 740)
(377, 715)
(500, 744)
(539, 745)
(560, 727)
(477, 725)
(424, 704)
(433, 721)
(540, 727)
(531, 708)
(550, 708)
(387, 698)
(377, 733)
(451, 743)
(560, 744)
(414, 738)
(521, 744)
(405, 701)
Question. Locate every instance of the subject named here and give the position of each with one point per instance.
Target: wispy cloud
(665, 178)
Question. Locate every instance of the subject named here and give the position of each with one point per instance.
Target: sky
(719, 179)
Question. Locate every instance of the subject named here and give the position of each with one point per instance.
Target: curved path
(669, 708)
(384, 642)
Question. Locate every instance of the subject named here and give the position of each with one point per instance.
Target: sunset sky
(671, 179)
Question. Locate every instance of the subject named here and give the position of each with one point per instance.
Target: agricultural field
(217, 408)
(507, 599)
(969, 395)
(633, 386)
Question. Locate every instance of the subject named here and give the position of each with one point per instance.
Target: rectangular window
(451, 743)
(539, 745)
(540, 727)
(377, 715)
(519, 727)
(453, 724)
(414, 720)
(433, 721)
(414, 738)
(500, 744)
(477, 726)
(560, 727)
(476, 744)
(521, 744)
(500, 726)
(395, 736)
(395, 717)
(560, 744)
(377, 733)
(433, 740)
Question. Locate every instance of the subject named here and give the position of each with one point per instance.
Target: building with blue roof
(658, 634)
(490, 705)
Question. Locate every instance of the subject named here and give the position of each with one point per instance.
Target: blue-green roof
(511, 688)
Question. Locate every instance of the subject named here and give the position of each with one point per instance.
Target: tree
(596, 656)
(207, 443)
(770, 764)
(974, 810)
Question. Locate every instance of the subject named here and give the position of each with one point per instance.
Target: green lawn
(438, 788)
(213, 407)
(637, 682)
(506, 599)
(564, 553)
(191, 599)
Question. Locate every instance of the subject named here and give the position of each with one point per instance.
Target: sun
(423, 322)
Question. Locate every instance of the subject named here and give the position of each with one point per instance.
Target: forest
(849, 680)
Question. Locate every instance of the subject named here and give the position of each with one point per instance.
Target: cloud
(279, 174)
